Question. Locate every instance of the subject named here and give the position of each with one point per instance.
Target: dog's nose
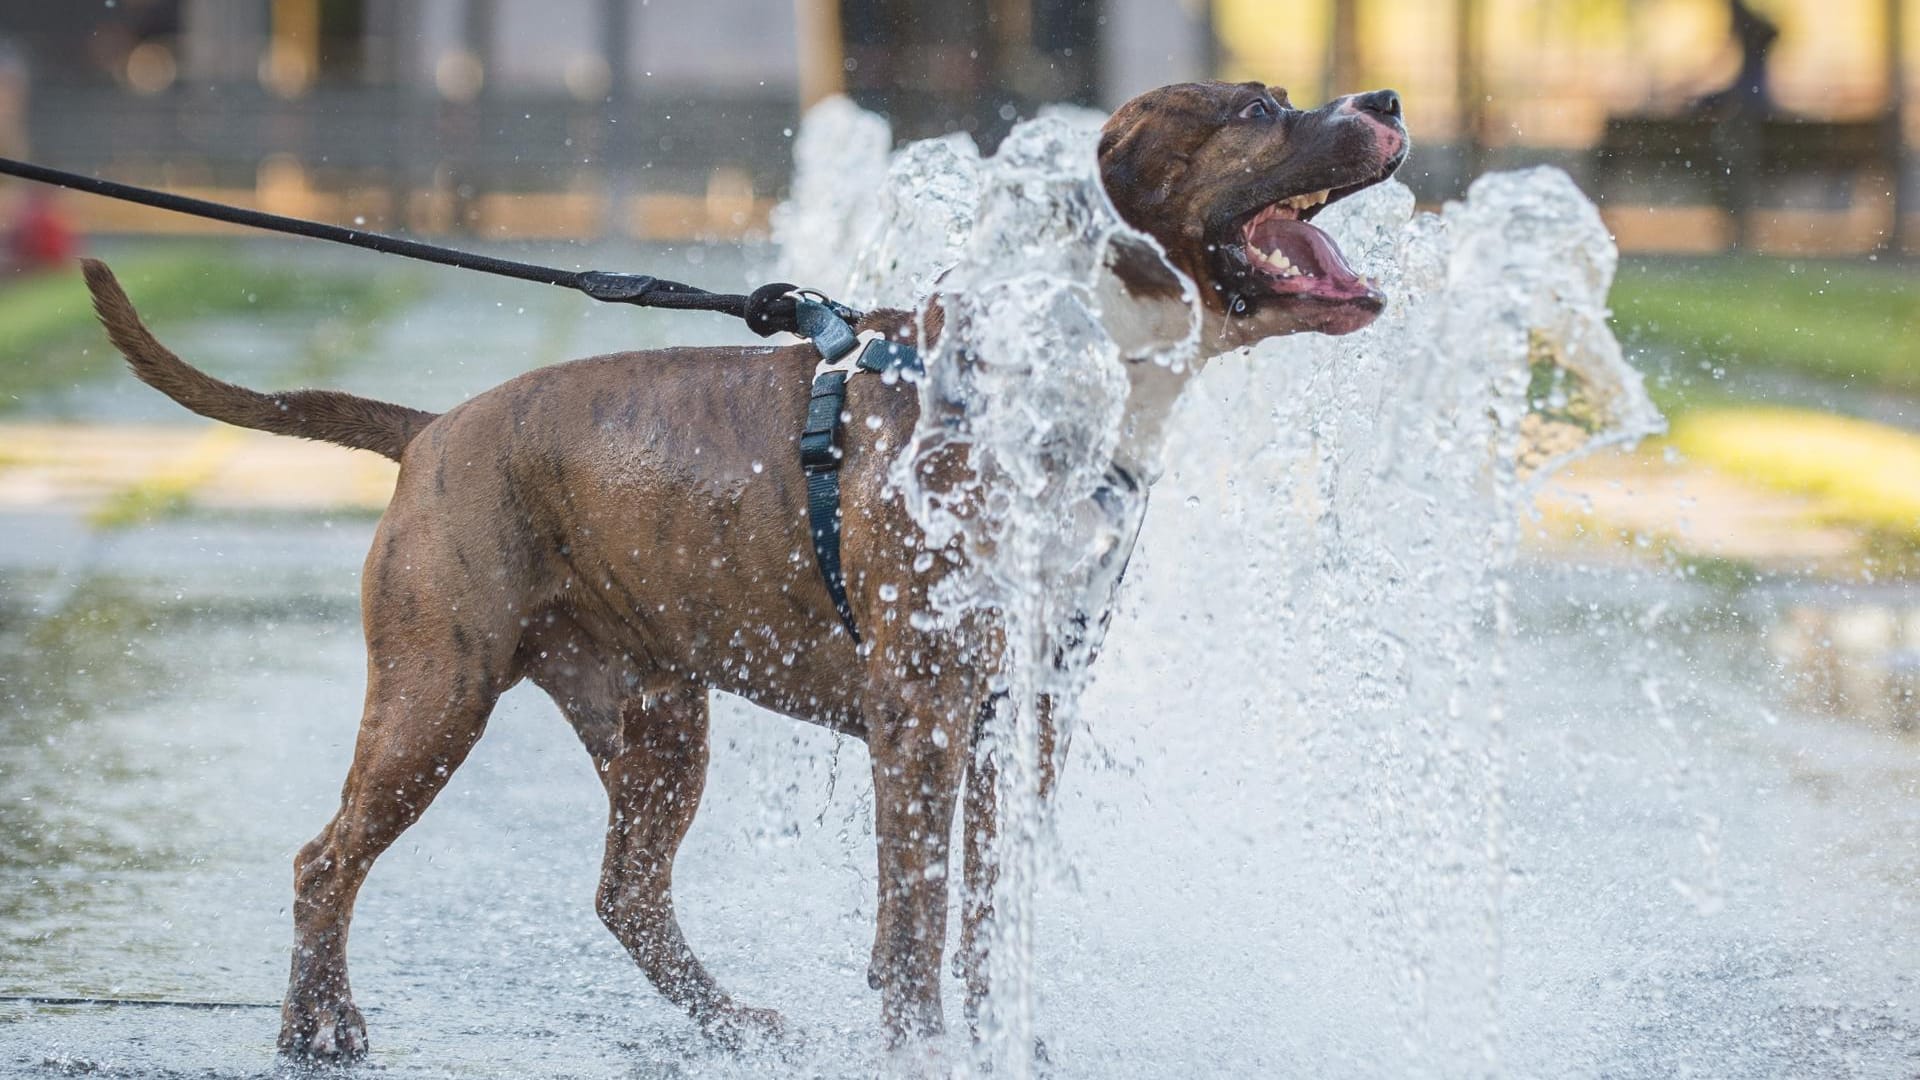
(1384, 102)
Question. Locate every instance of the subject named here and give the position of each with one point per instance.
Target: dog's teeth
(1274, 261)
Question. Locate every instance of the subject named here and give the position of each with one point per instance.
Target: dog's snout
(1384, 102)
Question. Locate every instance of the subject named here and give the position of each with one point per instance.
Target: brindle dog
(630, 533)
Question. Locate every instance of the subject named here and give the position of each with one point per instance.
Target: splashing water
(1374, 483)
(839, 157)
(1336, 520)
(1028, 388)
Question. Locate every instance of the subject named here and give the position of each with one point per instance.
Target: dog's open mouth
(1291, 257)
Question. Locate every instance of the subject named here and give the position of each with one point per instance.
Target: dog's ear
(1146, 146)
(1136, 166)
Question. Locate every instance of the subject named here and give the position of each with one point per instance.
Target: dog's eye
(1257, 109)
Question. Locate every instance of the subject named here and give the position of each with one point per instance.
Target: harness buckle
(874, 353)
(847, 362)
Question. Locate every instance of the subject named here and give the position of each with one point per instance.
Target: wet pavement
(1711, 857)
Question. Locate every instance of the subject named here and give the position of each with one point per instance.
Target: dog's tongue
(1307, 248)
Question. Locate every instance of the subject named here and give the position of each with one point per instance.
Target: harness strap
(820, 453)
(820, 460)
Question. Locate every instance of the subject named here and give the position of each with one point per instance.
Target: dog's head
(1228, 177)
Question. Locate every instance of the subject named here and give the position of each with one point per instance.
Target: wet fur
(630, 532)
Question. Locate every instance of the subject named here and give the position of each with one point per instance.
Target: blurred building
(671, 117)
(502, 115)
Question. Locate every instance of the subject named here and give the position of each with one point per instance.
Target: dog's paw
(738, 1027)
(325, 1033)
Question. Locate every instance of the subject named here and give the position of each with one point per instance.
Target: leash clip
(820, 324)
(803, 294)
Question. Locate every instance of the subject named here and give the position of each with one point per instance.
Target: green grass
(1716, 572)
(1856, 321)
(48, 336)
(138, 505)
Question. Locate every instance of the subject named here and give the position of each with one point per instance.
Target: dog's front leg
(980, 822)
(919, 748)
(980, 826)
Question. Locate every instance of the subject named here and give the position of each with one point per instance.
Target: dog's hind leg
(647, 735)
(422, 716)
(655, 777)
(433, 675)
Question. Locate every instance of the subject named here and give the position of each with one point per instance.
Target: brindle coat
(630, 532)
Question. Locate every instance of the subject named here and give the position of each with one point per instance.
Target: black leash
(149, 1003)
(768, 310)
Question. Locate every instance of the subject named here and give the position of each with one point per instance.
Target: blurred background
(1700, 125)
(1717, 647)
(1753, 158)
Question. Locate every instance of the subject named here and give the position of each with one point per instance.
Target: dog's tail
(325, 415)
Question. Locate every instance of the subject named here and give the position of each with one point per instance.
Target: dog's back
(647, 506)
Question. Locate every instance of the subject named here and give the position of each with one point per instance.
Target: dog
(626, 531)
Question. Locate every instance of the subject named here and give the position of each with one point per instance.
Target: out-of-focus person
(38, 235)
(1747, 96)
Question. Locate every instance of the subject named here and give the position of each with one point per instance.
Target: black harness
(842, 356)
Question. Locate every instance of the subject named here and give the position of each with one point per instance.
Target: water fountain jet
(1343, 510)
